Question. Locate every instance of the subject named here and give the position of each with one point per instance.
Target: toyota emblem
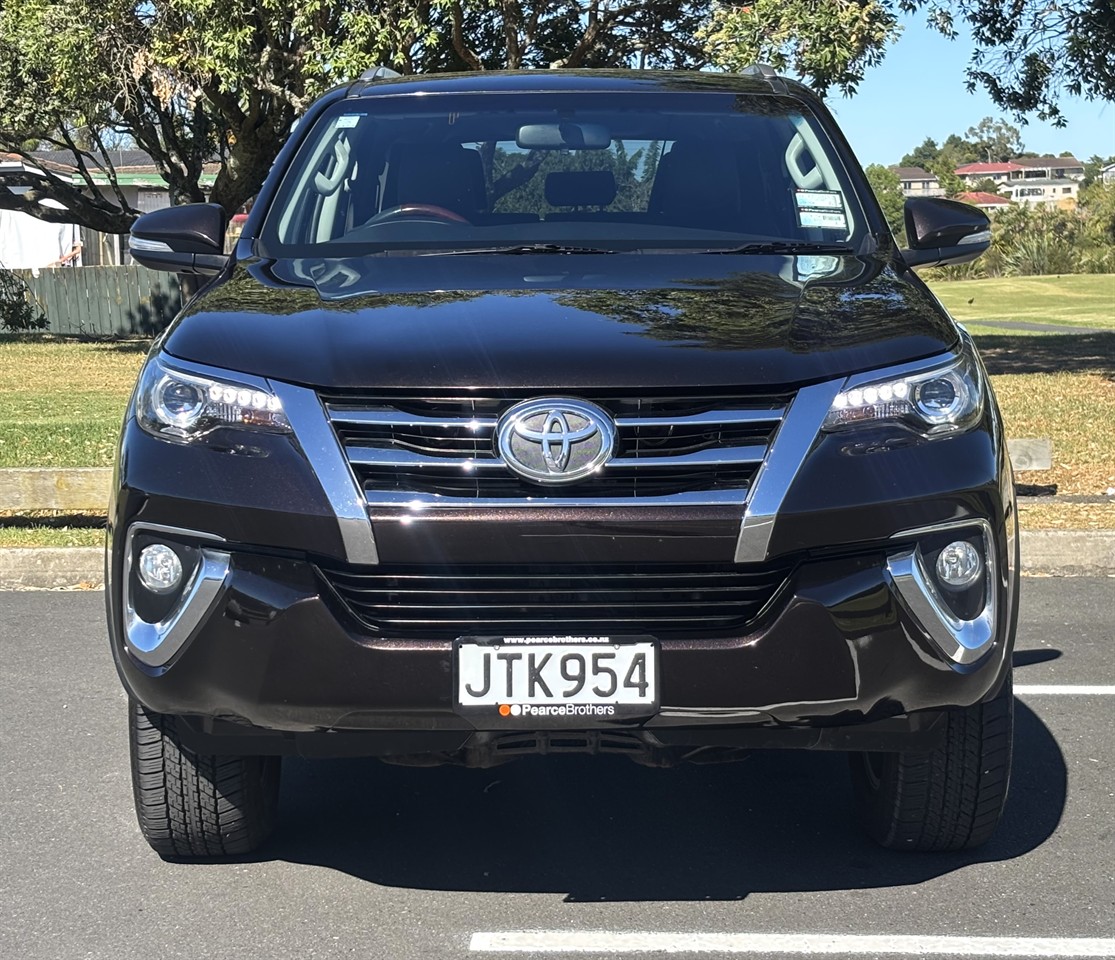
(555, 440)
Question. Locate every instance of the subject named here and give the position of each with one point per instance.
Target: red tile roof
(978, 168)
(979, 197)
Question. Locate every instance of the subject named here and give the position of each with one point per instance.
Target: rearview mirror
(942, 231)
(564, 136)
(186, 239)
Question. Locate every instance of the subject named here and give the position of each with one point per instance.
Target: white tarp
(29, 243)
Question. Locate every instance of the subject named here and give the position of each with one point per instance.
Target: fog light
(959, 565)
(160, 569)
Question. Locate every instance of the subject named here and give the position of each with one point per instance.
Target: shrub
(18, 309)
(1029, 241)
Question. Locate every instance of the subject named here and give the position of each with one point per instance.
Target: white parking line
(1064, 689)
(601, 941)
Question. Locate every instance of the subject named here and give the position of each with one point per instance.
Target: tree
(923, 155)
(830, 44)
(1028, 53)
(1031, 53)
(986, 185)
(888, 191)
(197, 81)
(958, 151)
(1092, 167)
(996, 141)
(945, 171)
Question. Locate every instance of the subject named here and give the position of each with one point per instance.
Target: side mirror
(186, 239)
(943, 231)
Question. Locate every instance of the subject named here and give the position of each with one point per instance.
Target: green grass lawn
(1081, 300)
(61, 402)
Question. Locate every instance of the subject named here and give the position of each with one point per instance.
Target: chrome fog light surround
(963, 642)
(155, 644)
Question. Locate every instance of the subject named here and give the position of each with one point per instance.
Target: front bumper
(839, 646)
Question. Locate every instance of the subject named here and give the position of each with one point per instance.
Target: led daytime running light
(935, 402)
(185, 406)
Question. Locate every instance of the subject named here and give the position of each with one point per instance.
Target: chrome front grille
(407, 450)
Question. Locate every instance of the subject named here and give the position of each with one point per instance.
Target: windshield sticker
(348, 120)
(820, 200)
(823, 219)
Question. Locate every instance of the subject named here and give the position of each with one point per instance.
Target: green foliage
(986, 185)
(922, 155)
(633, 173)
(888, 191)
(1031, 53)
(192, 81)
(189, 81)
(943, 169)
(1038, 240)
(18, 309)
(995, 141)
(1092, 167)
(829, 44)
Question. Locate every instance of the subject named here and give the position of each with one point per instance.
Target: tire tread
(192, 805)
(948, 798)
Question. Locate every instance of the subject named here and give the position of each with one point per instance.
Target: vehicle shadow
(602, 829)
(1049, 353)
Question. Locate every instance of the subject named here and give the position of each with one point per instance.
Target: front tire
(948, 798)
(193, 806)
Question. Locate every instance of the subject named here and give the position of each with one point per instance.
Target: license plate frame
(512, 688)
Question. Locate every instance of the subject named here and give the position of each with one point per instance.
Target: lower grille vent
(448, 602)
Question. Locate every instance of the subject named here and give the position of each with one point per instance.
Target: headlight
(181, 406)
(939, 401)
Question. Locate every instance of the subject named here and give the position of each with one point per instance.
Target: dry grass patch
(1074, 410)
(1066, 516)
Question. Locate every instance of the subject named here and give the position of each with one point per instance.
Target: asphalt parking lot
(572, 855)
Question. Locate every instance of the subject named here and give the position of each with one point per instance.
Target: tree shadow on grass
(1049, 353)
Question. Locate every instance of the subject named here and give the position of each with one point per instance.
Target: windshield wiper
(520, 249)
(787, 246)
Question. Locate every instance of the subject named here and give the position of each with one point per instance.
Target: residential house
(1107, 174)
(27, 242)
(1044, 192)
(136, 175)
(990, 202)
(917, 182)
(1051, 168)
(1044, 181)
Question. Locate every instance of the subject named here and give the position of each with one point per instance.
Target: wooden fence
(129, 301)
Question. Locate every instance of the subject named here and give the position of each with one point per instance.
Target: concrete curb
(1069, 553)
(45, 568)
(1058, 553)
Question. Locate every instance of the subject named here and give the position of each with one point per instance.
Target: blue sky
(918, 92)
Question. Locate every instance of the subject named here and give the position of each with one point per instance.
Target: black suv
(564, 411)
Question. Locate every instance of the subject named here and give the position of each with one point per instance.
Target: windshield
(558, 172)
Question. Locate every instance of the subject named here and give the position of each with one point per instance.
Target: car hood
(540, 322)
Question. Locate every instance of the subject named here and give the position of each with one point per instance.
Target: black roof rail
(379, 73)
(766, 72)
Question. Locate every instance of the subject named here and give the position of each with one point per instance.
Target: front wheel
(948, 798)
(191, 805)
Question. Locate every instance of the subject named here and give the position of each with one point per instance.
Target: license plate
(568, 679)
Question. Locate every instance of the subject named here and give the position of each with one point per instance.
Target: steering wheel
(419, 210)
